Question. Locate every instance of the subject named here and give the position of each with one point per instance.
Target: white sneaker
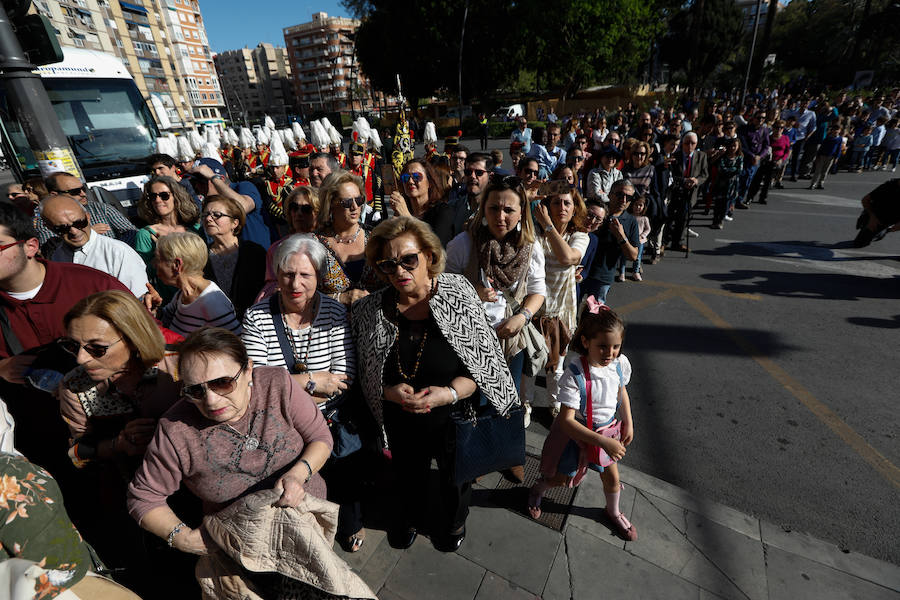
(527, 415)
(729, 218)
(693, 234)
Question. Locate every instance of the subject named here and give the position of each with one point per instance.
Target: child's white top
(604, 388)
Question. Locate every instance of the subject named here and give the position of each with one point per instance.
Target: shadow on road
(804, 249)
(817, 286)
(699, 340)
(893, 323)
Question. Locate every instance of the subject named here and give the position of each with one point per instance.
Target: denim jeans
(595, 288)
(636, 266)
(746, 179)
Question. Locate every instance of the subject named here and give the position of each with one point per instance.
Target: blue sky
(231, 24)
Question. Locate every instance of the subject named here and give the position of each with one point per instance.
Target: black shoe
(763, 201)
(741, 205)
(402, 538)
(863, 220)
(863, 238)
(451, 542)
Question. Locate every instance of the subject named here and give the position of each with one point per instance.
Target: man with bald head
(76, 242)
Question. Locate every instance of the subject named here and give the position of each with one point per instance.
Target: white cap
(279, 157)
(210, 150)
(430, 135)
(334, 136)
(186, 153)
(287, 136)
(299, 135)
(268, 122)
(196, 140)
(164, 146)
(246, 140)
(262, 136)
(375, 140)
(232, 137)
(212, 136)
(362, 129)
(319, 135)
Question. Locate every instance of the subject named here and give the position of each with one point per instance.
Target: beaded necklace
(415, 369)
(300, 361)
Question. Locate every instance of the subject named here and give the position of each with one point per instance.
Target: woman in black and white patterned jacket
(423, 344)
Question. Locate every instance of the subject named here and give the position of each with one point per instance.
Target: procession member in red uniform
(361, 163)
(278, 183)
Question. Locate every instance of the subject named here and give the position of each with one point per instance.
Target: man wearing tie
(690, 170)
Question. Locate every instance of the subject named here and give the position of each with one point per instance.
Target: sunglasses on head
(388, 266)
(72, 192)
(305, 209)
(94, 350)
(475, 172)
(221, 386)
(164, 196)
(417, 177)
(64, 229)
(216, 215)
(349, 202)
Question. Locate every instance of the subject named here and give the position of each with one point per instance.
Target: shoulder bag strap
(280, 332)
(589, 404)
(12, 341)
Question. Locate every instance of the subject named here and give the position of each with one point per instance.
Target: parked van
(508, 113)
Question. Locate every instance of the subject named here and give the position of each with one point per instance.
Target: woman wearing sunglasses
(424, 345)
(235, 265)
(347, 277)
(111, 402)
(425, 198)
(167, 208)
(236, 430)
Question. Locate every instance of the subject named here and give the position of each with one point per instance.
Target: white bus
(106, 120)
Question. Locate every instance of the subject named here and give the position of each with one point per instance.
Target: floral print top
(34, 526)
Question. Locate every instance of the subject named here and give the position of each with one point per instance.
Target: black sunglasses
(220, 385)
(531, 172)
(475, 172)
(213, 213)
(64, 229)
(73, 192)
(305, 209)
(164, 196)
(95, 350)
(349, 202)
(389, 266)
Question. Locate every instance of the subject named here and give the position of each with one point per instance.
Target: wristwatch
(623, 241)
(217, 176)
(548, 228)
(310, 386)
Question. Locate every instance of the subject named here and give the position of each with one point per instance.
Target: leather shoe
(515, 474)
(401, 539)
(452, 541)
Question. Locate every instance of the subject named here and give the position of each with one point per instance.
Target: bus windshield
(107, 123)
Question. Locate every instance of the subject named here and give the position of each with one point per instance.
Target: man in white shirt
(77, 243)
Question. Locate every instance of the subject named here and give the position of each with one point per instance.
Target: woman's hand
(351, 296)
(329, 384)
(192, 541)
(152, 299)
(135, 437)
(398, 203)
(511, 326)
(291, 489)
(399, 394)
(424, 400)
(627, 431)
(13, 369)
(612, 446)
(543, 216)
(487, 294)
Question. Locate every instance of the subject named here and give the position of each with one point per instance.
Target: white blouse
(604, 388)
(459, 251)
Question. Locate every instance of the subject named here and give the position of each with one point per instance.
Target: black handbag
(487, 442)
(336, 410)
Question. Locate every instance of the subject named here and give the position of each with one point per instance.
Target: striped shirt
(327, 345)
(212, 307)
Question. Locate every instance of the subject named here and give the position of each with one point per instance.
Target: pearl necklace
(348, 240)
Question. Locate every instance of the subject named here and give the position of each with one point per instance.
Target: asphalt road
(765, 366)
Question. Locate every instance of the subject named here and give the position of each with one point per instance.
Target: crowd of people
(286, 320)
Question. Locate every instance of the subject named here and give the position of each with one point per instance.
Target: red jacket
(39, 321)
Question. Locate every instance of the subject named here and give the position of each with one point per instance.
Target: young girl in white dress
(597, 380)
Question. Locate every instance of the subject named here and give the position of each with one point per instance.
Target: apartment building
(325, 72)
(256, 82)
(146, 35)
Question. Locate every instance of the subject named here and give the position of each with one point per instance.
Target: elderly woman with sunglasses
(167, 208)
(347, 276)
(423, 346)
(236, 430)
(111, 402)
(424, 198)
(237, 266)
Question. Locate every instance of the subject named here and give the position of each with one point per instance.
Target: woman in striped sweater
(308, 333)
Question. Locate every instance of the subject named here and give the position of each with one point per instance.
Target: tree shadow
(700, 340)
(803, 249)
(817, 286)
(892, 323)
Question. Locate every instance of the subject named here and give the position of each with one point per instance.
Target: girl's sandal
(624, 527)
(355, 541)
(534, 504)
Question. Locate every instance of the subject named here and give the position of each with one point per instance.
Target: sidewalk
(686, 548)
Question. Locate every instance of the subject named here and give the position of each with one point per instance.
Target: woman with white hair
(308, 333)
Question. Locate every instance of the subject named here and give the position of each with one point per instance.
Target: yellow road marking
(702, 290)
(831, 419)
(645, 303)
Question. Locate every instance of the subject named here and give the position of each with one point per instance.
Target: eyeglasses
(73, 192)
(164, 196)
(475, 172)
(64, 229)
(5, 246)
(417, 177)
(389, 266)
(349, 202)
(624, 196)
(216, 215)
(221, 386)
(305, 209)
(95, 350)
(592, 218)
